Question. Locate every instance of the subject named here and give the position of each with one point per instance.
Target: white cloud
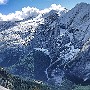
(53, 7)
(28, 12)
(20, 15)
(3, 1)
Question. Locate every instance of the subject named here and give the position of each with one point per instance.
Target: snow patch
(43, 50)
(2, 88)
(72, 51)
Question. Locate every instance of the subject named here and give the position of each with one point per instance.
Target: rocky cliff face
(61, 38)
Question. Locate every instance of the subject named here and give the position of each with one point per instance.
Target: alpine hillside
(49, 45)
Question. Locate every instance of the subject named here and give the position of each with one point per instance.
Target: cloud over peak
(53, 7)
(28, 12)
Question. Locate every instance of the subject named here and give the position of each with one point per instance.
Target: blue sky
(15, 5)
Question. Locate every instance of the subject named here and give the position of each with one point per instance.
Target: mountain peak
(82, 5)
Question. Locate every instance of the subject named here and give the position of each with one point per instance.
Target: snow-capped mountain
(16, 43)
(56, 38)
